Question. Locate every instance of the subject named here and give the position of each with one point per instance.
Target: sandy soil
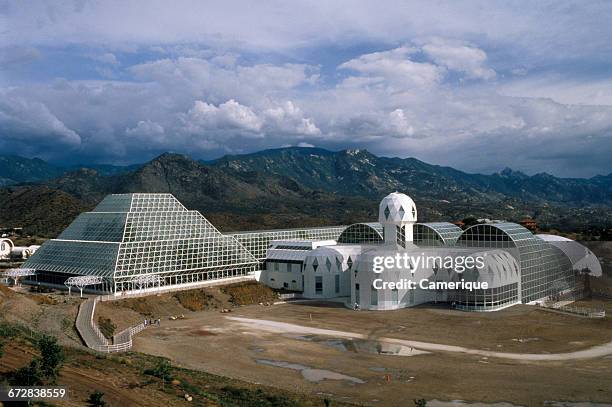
(282, 327)
(208, 342)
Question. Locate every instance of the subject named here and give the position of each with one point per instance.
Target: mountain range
(292, 187)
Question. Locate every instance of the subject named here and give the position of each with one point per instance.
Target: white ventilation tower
(397, 213)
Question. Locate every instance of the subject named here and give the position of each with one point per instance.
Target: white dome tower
(397, 213)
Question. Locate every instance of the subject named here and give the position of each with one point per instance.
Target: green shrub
(43, 369)
(106, 327)
(195, 300)
(96, 399)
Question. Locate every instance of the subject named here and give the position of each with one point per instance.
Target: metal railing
(483, 308)
(151, 291)
(93, 337)
(602, 293)
(571, 309)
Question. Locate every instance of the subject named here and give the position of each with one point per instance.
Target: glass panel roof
(436, 233)
(92, 226)
(81, 258)
(135, 234)
(368, 233)
(115, 203)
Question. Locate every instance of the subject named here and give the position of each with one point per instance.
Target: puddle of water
(372, 347)
(338, 344)
(361, 345)
(525, 340)
(461, 403)
(308, 373)
(303, 337)
(575, 404)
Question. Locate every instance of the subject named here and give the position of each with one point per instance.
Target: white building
(428, 263)
(8, 250)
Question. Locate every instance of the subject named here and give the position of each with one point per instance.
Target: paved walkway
(283, 327)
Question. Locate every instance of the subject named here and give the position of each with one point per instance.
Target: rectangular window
(337, 281)
(318, 284)
(394, 296)
(374, 296)
(401, 236)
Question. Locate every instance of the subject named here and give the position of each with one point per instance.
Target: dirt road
(283, 327)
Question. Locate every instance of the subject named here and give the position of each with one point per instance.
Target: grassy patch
(106, 327)
(249, 293)
(196, 300)
(43, 299)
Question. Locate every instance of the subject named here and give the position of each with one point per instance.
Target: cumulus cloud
(32, 126)
(396, 68)
(399, 124)
(147, 130)
(458, 56)
(229, 115)
(416, 80)
(289, 118)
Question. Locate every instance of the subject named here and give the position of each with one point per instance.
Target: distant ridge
(293, 187)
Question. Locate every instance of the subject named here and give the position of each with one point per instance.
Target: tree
(96, 399)
(29, 375)
(420, 403)
(52, 356)
(43, 369)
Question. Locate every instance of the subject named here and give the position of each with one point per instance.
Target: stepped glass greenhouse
(138, 242)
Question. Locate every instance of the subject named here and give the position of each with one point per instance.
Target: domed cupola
(397, 213)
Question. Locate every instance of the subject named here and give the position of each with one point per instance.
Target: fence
(174, 288)
(571, 309)
(93, 337)
(602, 293)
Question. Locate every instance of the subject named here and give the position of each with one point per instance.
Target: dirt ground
(211, 342)
(350, 371)
(123, 381)
(131, 311)
(53, 314)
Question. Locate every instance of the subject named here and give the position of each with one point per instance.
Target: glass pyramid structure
(128, 236)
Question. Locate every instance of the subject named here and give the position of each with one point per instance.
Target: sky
(476, 85)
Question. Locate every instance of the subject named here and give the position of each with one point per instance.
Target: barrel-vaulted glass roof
(436, 234)
(543, 271)
(366, 233)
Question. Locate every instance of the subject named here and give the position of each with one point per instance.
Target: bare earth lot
(356, 371)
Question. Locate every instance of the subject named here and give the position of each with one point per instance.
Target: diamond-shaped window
(387, 212)
(315, 264)
(339, 264)
(349, 262)
(413, 211)
(402, 212)
(328, 263)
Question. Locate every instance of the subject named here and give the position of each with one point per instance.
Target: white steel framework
(82, 282)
